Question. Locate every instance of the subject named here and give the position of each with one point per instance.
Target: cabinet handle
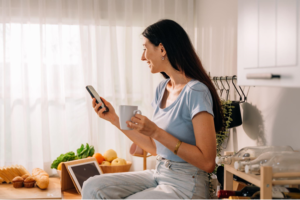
(262, 76)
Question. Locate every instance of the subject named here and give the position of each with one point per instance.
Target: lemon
(59, 166)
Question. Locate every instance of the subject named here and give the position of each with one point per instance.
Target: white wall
(271, 115)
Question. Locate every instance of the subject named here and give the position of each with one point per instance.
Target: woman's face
(153, 56)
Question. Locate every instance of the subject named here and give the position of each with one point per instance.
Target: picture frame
(73, 174)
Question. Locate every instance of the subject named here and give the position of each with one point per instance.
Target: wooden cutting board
(7, 191)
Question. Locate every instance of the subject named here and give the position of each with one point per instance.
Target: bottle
(289, 162)
(261, 159)
(250, 153)
(248, 191)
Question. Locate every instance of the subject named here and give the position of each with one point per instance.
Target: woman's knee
(92, 185)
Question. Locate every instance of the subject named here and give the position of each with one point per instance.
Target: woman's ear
(162, 49)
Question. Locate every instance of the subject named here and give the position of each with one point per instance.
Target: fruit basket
(116, 168)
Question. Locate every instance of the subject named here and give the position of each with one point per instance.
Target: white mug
(126, 112)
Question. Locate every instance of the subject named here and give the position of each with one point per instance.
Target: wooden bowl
(116, 168)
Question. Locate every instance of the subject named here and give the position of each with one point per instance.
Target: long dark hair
(183, 57)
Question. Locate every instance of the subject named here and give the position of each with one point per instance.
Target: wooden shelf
(264, 180)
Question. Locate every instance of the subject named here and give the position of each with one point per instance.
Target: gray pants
(170, 180)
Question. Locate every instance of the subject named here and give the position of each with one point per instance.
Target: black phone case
(97, 100)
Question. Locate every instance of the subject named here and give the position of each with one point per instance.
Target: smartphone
(95, 95)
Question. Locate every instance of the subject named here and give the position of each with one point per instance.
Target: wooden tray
(7, 191)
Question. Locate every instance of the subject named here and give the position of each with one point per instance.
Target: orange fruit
(98, 157)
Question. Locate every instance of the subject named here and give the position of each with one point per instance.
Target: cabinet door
(268, 32)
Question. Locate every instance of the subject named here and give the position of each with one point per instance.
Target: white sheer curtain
(50, 50)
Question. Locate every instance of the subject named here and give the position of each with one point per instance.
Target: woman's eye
(144, 49)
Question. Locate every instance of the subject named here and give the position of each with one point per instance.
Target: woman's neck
(178, 80)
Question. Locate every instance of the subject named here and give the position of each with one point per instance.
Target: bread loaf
(7, 174)
(41, 177)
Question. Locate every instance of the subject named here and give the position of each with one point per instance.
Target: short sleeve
(200, 101)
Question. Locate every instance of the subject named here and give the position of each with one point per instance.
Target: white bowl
(59, 173)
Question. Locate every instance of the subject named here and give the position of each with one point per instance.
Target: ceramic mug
(126, 113)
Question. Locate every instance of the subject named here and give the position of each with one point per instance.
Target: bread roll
(41, 177)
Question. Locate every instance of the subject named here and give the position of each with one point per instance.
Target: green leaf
(63, 158)
(80, 149)
(91, 151)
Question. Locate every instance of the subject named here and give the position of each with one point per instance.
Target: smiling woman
(182, 133)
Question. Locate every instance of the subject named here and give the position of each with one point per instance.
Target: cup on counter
(126, 112)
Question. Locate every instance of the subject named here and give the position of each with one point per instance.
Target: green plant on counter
(82, 152)
(63, 158)
(221, 136)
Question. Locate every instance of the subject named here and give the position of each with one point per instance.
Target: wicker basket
(116, 168)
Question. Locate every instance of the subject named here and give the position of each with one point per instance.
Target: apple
(119, 161)
(110, 155)
(105, 163)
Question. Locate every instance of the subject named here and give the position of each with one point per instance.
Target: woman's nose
(143, 56)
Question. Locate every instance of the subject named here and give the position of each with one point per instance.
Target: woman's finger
(96, 108)
(100, 112)
(138, 116)
(94, 102)
(135, 120)
(132, 125)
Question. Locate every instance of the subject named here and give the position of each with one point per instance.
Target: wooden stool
(144, 156)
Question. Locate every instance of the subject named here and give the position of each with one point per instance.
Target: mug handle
(137, 111)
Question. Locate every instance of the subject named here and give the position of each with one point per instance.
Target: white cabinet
(268, 42)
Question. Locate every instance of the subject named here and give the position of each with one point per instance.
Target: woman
(187, 115)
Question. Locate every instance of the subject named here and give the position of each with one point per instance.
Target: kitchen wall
(271, 115)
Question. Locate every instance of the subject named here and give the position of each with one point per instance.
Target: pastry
(29, 182)
(18, 182)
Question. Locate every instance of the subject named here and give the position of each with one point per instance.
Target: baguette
(41, 177)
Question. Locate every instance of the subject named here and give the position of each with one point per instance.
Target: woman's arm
(201, 155)
(204, 153)
(143, 141)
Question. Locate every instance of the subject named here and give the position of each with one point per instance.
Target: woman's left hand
(143, 125)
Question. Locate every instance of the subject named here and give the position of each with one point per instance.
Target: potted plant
(221, 136)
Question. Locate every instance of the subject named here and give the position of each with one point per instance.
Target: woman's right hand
(110, 116)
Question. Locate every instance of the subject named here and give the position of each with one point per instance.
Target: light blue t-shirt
(176, 119)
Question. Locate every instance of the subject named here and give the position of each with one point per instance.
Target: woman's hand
(110, 116)
(143, 125)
